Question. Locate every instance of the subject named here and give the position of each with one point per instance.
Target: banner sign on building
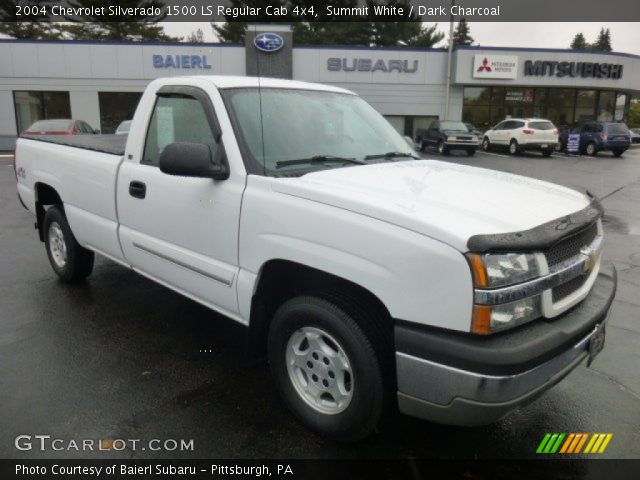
(495, 66)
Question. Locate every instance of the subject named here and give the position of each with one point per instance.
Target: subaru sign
(268, 42)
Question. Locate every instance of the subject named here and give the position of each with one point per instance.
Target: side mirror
(188, 159)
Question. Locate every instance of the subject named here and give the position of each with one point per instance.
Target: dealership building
(101, 82)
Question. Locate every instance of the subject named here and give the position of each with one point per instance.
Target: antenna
(264, 162)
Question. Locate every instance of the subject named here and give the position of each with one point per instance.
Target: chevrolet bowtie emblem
(592, 259)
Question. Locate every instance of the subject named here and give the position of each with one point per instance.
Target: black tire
(365, 349)
(547, 152)
(423, 146)
(486, 144)
(442, 148)
(78, 261)
(514, 149)
(591, 149)
(471, 153)
(617, 153)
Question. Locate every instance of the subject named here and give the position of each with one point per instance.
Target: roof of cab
(230, 81)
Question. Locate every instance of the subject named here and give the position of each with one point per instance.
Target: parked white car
(369, 277)
(522, 134)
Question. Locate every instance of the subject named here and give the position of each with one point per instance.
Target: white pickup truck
(370, 278)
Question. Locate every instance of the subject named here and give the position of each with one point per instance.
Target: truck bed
(112, 144)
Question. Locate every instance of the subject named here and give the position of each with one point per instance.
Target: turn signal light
(481, 320)
(478, 270)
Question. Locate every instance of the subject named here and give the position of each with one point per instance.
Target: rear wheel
(591, 149)
(547, 152)
(71, 262)
(514, 149)
(328, 369)
(618, 153)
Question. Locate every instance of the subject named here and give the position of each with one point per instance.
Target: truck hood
(444, 201)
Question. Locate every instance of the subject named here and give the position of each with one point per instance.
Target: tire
(514, 149)
(71, 262)
(547, 152)
(591, 149)
(423, 146)
(617, 153)
(486, 144)
(343, 404)
(471, 153)
(442, 148)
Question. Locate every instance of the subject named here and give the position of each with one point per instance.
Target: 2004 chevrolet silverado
(370, 278)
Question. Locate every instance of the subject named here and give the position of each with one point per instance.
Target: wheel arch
(279, 280)
(45, 195)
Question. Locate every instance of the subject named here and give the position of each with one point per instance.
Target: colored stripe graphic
(572, 443)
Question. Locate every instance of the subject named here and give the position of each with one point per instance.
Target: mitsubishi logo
(485, 67)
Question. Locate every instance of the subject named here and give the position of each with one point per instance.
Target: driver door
(181, 231)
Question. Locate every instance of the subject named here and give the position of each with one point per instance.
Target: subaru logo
(268, 42)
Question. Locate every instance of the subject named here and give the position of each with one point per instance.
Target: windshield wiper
(390, 155)
(318, 159)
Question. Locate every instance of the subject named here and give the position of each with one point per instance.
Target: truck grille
(570, 246)
(565, 249)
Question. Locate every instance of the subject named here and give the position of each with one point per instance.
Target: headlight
(500, 270)
(490, 319)
(474, 139)
(497, 270)
(451, 139)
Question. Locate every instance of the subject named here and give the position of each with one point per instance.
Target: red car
(60, 126)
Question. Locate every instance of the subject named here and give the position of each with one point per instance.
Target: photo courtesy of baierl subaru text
(314, 239)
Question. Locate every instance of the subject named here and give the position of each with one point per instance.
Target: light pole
(449, 56)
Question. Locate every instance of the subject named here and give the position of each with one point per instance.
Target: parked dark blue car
(599, 136)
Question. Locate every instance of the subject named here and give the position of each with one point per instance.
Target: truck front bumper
(462, 379)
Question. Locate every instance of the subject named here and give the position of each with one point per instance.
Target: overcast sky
(625, 36)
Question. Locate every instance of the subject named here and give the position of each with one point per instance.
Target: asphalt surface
(121, 357)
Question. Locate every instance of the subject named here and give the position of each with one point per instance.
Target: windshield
(50, 126)
(618, 128)
(454, 126)
(306, 124)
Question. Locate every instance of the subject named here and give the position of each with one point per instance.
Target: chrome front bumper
(447, 394)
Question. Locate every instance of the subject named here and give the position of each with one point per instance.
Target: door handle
(137, 189)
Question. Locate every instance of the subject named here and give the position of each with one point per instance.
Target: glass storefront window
(540, 103)
(633, 120)
(477, 95)
(586, 105)
(560, 105)
(32, 106)
(606, 106)
(621, 103)
(116, 107)
(479, 116)
(497, 96)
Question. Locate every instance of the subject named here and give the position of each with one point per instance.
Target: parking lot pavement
(121, 357)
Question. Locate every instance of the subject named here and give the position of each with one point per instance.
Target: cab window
(177, 118)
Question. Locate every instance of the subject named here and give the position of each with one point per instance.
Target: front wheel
(591, 149)
(513, 148)
(471, 152)
(71, 262)
(442, 148)
(327, 368)
(486, 144)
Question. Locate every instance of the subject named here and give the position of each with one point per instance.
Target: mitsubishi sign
(495, 66)
(544, 68)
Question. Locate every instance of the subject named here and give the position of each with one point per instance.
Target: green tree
(603, 42)
(196, 36)
(16, 27)
(462, 34)
(579, 42)
(119, 27)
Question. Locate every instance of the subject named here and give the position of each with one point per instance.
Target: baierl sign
(495, 66)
